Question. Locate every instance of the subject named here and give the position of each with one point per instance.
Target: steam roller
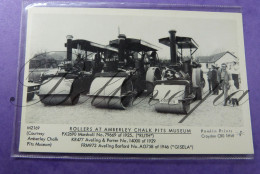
(182, 81)
(126, 74)
(75, 74)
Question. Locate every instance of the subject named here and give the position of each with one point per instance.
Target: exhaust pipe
(173, 47)
(69, 47)
(121, 47)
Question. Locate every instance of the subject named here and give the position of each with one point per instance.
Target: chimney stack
(173, 47)
(121, 47)
(69, 47)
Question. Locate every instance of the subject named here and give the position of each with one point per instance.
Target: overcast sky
(48, 30)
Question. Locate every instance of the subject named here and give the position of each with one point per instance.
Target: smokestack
(173, 43)
(69, 47)
(121, 47)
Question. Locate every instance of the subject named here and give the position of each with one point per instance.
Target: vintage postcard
(134, 81)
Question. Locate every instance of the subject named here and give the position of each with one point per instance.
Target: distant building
(217, 59)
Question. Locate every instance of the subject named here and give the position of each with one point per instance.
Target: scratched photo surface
(134, 69)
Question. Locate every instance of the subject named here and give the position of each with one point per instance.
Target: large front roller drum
(58, 91)
(111, 92)
(152, 74)
(171, 98)
(180, 108)
(59, 99)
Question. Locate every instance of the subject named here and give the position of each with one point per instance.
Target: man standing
(210, 79)
(214, 79)
(225, 77)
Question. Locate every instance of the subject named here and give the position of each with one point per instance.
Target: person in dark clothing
(79, 63)
(201, 76)
(215, 82)
(210, 79)
(98, 65)
(153, 58)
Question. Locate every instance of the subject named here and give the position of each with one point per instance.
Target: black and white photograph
(154, 74)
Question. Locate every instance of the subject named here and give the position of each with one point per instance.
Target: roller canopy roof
(182, 42)
(135, 45)
(91, 46)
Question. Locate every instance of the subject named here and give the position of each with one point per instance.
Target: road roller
(127, 74)
(182, 81)
(75, 73)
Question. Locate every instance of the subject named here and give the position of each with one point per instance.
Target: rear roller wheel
(153, 74)
(186, 108)
(149, 87)
(199, 93)
(75, 100)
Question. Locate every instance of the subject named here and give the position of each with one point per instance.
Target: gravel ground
(141, 114)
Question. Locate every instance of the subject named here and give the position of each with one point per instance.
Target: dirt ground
(141, 114)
